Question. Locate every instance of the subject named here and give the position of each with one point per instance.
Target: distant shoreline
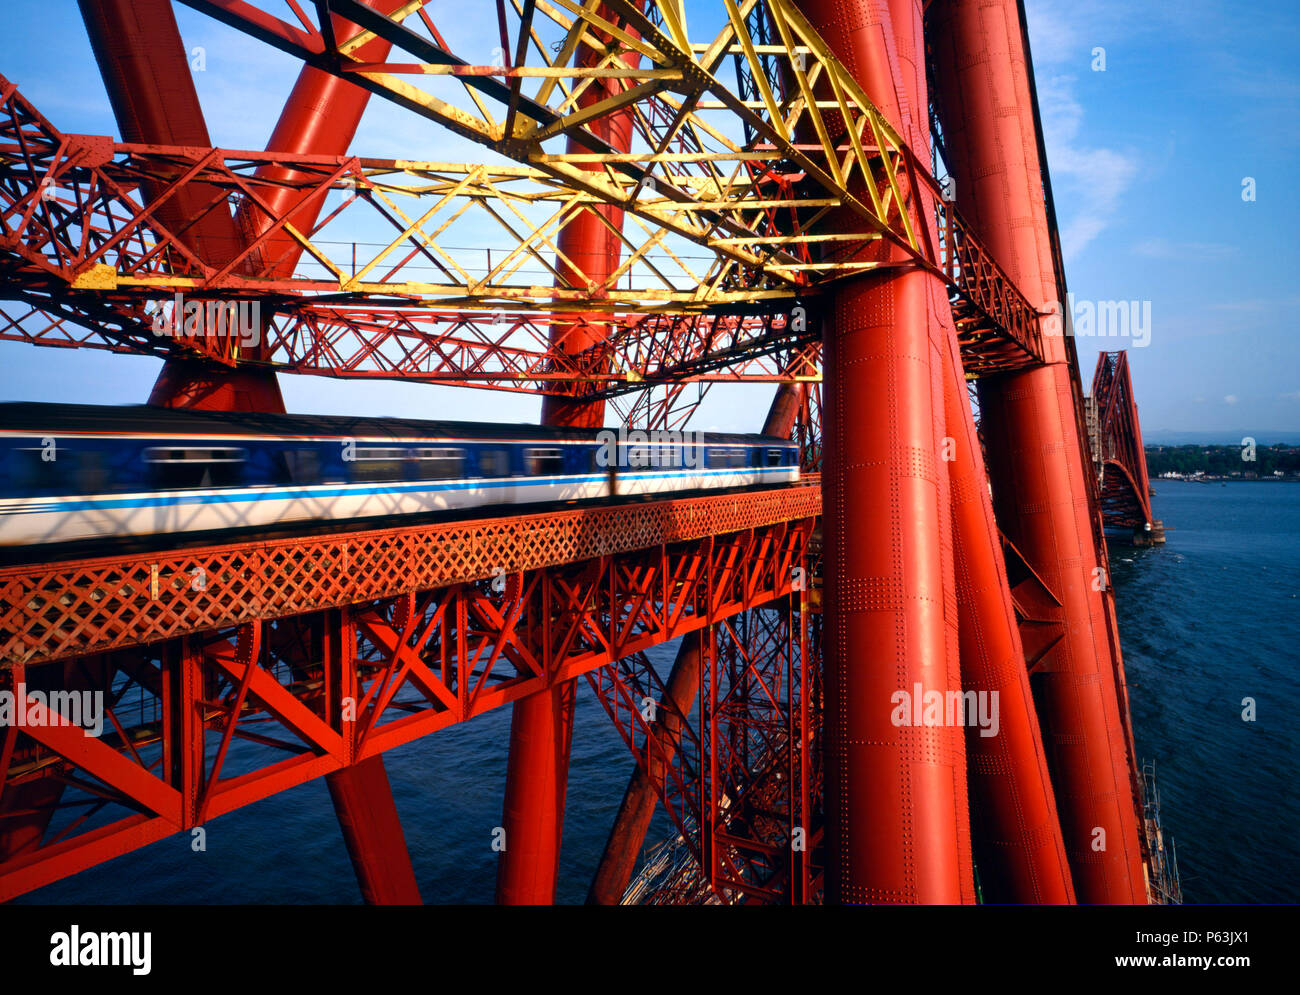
(1208, 464)
(1225, 480)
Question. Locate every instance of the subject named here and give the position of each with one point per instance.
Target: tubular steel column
(1036, 461)
(590, 250)
(147, 75)
(372, 831)
(146, 72)
(896, 806)
(541, 725)
(319, 118)
(142, 60)
(537, 776)
(1016, 832)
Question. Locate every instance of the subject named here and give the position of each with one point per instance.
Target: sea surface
(1207, 620)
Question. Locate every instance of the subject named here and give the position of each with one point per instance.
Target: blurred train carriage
(84, 472)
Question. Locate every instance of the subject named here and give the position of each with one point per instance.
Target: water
(1208, 619)
(448, 787)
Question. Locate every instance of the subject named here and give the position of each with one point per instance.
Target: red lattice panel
(50, 611)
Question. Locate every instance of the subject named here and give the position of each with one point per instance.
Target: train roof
(32, 416)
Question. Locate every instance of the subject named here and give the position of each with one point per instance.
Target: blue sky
(1147, 157)
(1147, 161)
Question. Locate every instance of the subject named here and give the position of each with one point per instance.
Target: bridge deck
(56, 610)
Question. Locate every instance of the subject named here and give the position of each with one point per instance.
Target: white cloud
(1089, 181)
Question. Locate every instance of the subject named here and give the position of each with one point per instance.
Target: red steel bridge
(677, 195)
(1117, 451)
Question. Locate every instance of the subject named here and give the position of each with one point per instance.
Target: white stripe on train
(106, 516)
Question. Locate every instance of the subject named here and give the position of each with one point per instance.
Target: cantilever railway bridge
(740, 191)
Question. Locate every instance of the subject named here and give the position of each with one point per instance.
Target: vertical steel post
(589, 249)
(541, 733)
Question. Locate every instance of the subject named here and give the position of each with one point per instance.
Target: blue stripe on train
(245, 493)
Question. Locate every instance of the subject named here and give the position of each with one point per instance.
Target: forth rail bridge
(844, 205)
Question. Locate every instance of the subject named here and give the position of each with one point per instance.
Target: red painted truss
(1117, 445)
(332, 666)
(58, 610)
(83, 249)
(742, 782)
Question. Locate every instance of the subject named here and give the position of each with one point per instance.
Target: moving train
(83, 472)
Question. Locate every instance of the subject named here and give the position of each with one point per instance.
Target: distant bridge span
(1117, 451)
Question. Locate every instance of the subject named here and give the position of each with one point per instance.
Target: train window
(493, 463)
(302, 466)
(174, 467)
(372, 465)
(80, 471)
(377, 455)
(664, 456)
(775, 457)
(544, 462)
(725, 458)
(190, 454)
(671, 456)
(438, 464)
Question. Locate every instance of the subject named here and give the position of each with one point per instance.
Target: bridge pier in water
(1151, 534)
(372, 832)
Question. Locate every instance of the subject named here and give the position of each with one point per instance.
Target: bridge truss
(739, 176)
(1117, 450)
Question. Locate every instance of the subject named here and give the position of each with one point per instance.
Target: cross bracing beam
(77, 228)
